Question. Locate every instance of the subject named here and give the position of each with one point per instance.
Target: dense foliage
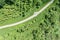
(15, 10)
(45, 26)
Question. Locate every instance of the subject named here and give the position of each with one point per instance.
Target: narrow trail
(29, 18)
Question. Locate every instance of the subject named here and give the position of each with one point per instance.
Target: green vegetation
(12, 11)
(45, 26)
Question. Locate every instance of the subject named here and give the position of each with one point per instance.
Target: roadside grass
(19, 10)
(46, 26)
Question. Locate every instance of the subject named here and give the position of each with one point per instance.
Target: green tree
(2, 3)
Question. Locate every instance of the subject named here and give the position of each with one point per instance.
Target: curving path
(31, 17)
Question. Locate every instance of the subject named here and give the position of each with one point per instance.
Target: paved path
(29, 18)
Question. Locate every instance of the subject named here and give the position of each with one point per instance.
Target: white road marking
(31, 17)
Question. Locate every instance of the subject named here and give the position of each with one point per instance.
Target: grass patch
(46, 26)
(16, 10)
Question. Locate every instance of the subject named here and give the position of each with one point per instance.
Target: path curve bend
(29, 18)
